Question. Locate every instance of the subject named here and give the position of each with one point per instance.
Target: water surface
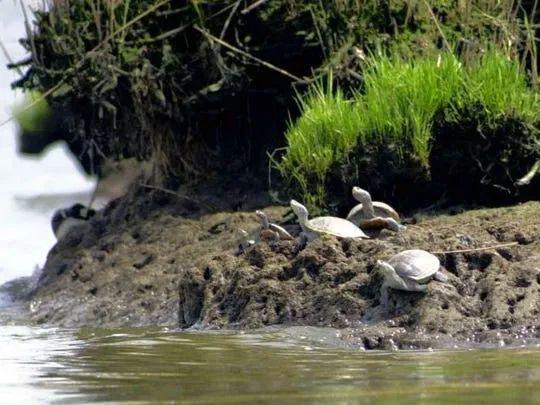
(287, 365)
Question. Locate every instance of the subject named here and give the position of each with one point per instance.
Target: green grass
(500, 86)
(34, 118)
(316, 140)
(398, 105)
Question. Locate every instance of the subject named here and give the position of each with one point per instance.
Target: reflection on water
(284, 366)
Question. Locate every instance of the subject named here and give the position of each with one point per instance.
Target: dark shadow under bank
(155, 259)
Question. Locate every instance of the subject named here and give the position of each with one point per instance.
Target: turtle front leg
(302, 241)
(440, 276)
(384, 300)
(414, 286)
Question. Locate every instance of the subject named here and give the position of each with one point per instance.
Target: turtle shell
(374, 223)
(415, 264)
(381, 209)
(336, 226)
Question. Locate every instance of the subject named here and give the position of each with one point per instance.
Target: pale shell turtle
(409, 270)
(271, 231)
(245, 242)
(373, 214)
(311, 228)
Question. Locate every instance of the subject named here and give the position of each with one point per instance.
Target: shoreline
(150, 259)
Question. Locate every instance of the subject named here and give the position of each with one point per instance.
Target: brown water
(284, 366)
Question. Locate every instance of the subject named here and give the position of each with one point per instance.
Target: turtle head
(79, 211)
(385, 268)
(360, 194)
(300, 211)
(394, 225)
(263, 218)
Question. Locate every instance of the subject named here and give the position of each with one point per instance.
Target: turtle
(373, 215)
(311, 228)
(409, 270)
(271, 231)
(379, 223)
(65, 219)
(245, 242)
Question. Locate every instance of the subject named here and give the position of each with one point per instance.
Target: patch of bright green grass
(398, 105)
(326, 130)
(401, 98)
(32, 119)
(500, 86)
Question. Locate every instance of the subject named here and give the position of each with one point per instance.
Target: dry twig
(182, 196)
(477, 249)
(247, 55)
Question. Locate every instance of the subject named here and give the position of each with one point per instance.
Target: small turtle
(369, 208)
(311, 228)
(409, 270)
(378, 223)
(245, 242)
(271, 231)
(65, 219)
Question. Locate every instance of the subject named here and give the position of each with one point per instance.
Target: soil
(155, 258)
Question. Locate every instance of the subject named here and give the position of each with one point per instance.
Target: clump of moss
(383, 137)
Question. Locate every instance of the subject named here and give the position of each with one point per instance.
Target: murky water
(291, 365)
(142, 366)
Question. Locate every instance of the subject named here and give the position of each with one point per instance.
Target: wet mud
(154, 258)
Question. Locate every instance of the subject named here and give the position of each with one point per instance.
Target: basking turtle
(245, 242)
(373, 215)
(409, 270)
(271, 231)
(378, 223)
(311, 228)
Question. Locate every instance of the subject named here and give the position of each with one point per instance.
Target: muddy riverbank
(154, 258)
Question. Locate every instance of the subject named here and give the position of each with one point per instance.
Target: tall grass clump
(324, 133)
(395, 113)
(397, 106)
(401, 97)
(499, 84)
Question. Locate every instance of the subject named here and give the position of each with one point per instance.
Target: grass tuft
(398, 106)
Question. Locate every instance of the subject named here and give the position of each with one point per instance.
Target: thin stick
(182, 196)
(530, 175)
(477, 249)
(29, 32)
(247, 55)
(229, 19)
(93, 195)
(438, 26)
(8, 57)
(253, 6)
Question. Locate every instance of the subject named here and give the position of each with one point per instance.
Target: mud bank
(157, 259)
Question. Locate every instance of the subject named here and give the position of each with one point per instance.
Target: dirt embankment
(154, 259)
